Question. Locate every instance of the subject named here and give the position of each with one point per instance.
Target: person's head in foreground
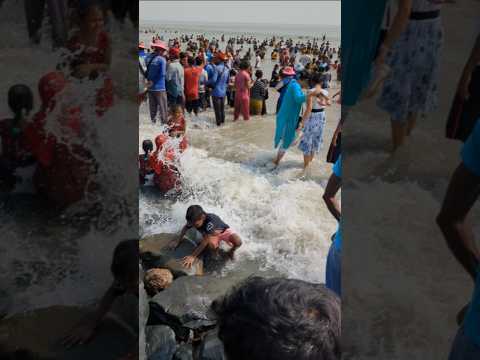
(259, 74)
(195, 216)
(125, 266)
(279, 319)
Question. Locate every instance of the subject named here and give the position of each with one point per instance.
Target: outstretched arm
(463, 191)
(329, 196)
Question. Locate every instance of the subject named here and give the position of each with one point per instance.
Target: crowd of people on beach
(189, 74)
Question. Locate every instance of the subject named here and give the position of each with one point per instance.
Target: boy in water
(213, 229)
(143, 161)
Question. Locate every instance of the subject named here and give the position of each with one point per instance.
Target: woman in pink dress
(243, 83)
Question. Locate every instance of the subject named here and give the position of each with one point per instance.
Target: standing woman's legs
(222, 109)
(245, 108)
(399, 133)
(236, 110)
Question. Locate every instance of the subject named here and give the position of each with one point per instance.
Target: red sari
(82, 55)
(65, 168)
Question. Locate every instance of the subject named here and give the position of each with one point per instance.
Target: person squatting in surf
(213, 230)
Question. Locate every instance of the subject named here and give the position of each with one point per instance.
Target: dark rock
(189, 298)
(5, 304)
(161, 344)
(184, 352)
(211, 348)
(155, 253)
(143, 314)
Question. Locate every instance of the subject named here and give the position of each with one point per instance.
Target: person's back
(273, 319)
(241, 84)
(221, 76)
(192, 81)
(156, 72)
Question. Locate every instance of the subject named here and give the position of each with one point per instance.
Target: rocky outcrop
(184, 352)
(188, 299)
(161, 344)
(211, 348)
(155, 253)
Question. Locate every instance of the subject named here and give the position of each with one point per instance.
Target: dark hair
(20, 98)
(233, 72)
(244, 65)
(258, 73)
(147, 145)
(191, 61)
(194, 212)
(198, 61)
(183, 55)
(125, 259)
(317, 78)
(272, 319)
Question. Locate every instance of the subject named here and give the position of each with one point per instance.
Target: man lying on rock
(214, 231)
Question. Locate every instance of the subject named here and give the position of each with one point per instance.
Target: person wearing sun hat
(156, 70)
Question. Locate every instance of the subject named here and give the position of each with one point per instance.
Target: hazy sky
(283, 12)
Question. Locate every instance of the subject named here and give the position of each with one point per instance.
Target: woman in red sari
(90, 55)
(64, 166)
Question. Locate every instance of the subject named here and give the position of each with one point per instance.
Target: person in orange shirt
(192, 81)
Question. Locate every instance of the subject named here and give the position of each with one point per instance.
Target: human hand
(188, 261)
(80, 334)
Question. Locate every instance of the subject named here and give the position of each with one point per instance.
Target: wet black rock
(184, 352)
(161, 344)
(211, 348)
(155, 253)
(189, 298)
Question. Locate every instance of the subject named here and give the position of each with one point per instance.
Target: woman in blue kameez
(288, 115)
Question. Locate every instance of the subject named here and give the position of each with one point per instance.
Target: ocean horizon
(310, 30)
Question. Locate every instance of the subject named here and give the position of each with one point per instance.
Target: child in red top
(13, 150)
(91, 53)
(143, 161)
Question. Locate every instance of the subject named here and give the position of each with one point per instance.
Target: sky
(271, 12)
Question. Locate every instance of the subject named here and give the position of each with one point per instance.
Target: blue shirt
(337, 170)
(157, 71)
(142, 53)
(471, 159)
(220, 77)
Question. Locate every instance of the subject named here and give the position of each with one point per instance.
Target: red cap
(174, 52)
(141, 45)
